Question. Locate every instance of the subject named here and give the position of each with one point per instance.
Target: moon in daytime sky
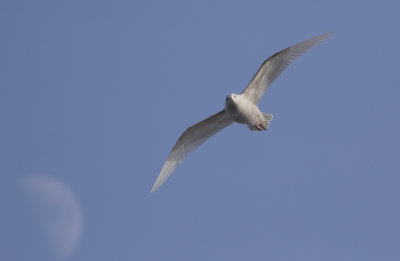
(57, 211)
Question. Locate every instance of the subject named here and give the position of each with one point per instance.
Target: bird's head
(231, 97)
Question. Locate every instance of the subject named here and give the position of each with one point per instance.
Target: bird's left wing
(275, 65)
(193, 137)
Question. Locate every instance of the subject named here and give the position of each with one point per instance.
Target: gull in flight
(241, 108)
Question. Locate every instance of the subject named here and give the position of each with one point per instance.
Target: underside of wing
(193, 137)
(275, 65)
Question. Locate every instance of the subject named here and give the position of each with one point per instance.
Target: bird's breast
(242, 111)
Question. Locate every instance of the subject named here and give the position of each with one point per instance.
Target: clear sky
(94, 94)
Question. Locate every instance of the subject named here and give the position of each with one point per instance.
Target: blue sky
(94, 94)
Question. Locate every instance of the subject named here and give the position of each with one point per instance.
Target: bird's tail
(268, 118)
(262, 125)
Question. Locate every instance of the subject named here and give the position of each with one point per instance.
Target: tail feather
(262, 125)
(268, 118)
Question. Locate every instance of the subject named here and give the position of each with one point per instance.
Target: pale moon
(58, 212)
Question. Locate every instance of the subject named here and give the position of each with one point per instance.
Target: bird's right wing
(275, 65)
(193, 137)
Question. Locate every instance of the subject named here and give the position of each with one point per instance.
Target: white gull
(241, 108)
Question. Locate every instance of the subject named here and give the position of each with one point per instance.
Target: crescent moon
(58, 212)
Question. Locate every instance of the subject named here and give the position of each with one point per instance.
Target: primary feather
(193, 137)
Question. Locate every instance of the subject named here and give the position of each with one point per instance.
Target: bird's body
(243, 111)
(241, 108)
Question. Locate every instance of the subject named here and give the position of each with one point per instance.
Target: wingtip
(318, 39)
(326, 35)
(154, 188)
